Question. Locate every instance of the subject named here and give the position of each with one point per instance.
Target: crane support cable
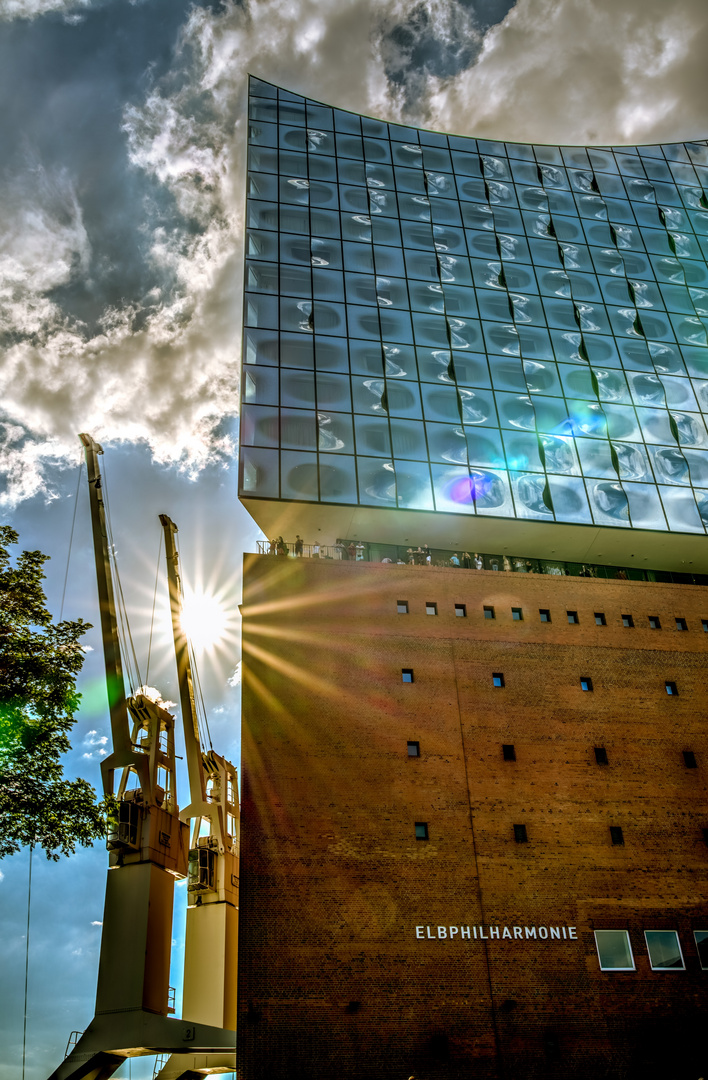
(71, 537)
(154, 600)
(134, 677)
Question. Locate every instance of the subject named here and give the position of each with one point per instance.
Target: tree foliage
(39, 663)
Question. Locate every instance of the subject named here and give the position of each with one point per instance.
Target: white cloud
(235, 679)
(30, 9)
(94, 739)
(96, 922)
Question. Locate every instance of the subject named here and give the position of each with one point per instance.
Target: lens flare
(204, 620)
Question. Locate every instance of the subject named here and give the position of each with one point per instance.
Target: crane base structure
(112, 1038)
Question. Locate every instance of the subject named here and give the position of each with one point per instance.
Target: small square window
(407, 674)
(498, 678)
(585, 683)
(701, 938)
(614, 950)
(508, 752)
(461, 611)
(704, 624)
(664, 950)
(627, 620)
(572, 616)
(654, 622)
(421, 830)
(413, 749)
(517, 614)
(705, 835)
(402, 607)
(681, 624)
(544, 614)
(617, 835)
(489, 612)
(671, 689)
(431, 609)
(689, 759)
(601, 756)
(520, 834)
(600, 619)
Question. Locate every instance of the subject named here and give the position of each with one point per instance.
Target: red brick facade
(348, 964)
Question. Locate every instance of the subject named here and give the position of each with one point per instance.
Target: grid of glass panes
(456, 324)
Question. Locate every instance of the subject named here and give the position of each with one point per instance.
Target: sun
(205, 620)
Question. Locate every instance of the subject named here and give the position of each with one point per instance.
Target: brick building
(474, 812)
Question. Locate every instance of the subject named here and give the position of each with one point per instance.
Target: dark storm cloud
(434, 40)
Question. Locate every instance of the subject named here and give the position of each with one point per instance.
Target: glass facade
(459, 325)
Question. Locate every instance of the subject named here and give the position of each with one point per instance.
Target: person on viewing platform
(273, 548)
(507, 563)
(360, 552)
(386, 559)
(315, 550)
(351, 550)
(411, 556)
(478, 562)
(466, 560)
(454, 561)
(281, 546)
(298, 546)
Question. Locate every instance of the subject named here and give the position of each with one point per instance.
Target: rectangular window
(517, 614)
(705, 835)
(704, 624)
(600, 619)
(489, 612)
(402, 607)
(701, 937)
(520, 834)
(664, 950)
(413, 749)
(421, 830)
(431, 609)
(585, 683)
(498, 678)
(601, 756)
(407, 674)
(614, 950)
(508, 752)
(461, 611)
(654, 622)
(627, 620)
(616, 835)
(572, 616)
(671, 689)
(689, 759)
(544, 614)
(681, 624)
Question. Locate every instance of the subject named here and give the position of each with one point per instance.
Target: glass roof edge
(607, 147)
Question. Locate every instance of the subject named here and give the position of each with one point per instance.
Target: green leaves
(39, 662)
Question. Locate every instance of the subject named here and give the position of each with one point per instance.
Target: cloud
(31, 9)
(96, 922)
(162, 369)
(94, 739)
(235, 679)
(583, 71)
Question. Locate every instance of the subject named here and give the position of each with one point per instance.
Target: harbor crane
(149, 848)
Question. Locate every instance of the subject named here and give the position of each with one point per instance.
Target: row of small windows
(601, 757)
(586, 683)
(517, 615)
(614, 950)
(616, 832)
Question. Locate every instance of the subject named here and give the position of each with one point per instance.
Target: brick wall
(334, 981)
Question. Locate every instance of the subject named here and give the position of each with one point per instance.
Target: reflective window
(614, 950)
(664, 950)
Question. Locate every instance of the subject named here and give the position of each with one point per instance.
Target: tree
(39, 663)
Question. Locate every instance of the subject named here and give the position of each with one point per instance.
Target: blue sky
(121, 202)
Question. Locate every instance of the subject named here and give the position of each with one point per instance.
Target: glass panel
(614, 950)
(701, 939)
(664, 950)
